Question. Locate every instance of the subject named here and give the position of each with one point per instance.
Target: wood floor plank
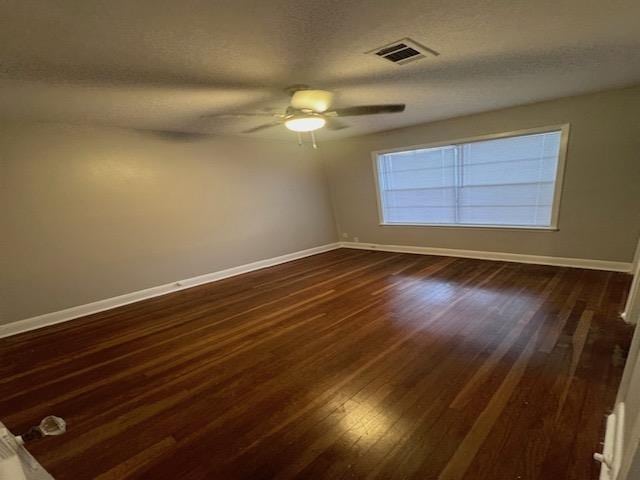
(345, 365)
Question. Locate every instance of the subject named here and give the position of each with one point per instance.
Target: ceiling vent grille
(402, 51)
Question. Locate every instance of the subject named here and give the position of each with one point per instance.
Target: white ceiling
(161, 65)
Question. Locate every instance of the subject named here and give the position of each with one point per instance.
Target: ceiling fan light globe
(305, 124)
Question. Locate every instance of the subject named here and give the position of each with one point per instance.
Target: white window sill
(476, 227)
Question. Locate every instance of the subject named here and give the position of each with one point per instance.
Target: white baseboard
(113, 302)
(504, 257)
(109, 303)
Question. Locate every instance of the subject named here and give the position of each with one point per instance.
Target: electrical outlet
(356, 239)
(345, 235)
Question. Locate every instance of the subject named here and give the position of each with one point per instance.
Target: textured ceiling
(161, 65)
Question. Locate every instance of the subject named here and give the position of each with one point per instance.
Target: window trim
(558, 187)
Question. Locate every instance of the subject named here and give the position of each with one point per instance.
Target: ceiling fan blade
(367, 110)
(316, 100)
(239, 115)
(334, 124)
(176, 135)
(262, 127)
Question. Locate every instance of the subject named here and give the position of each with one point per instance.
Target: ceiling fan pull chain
(313, 140)
(299, 139)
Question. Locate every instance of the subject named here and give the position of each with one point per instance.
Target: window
(508, 180)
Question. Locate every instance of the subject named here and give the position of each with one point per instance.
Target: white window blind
(502, 182)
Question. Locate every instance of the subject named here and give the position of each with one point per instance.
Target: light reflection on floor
(365, 424)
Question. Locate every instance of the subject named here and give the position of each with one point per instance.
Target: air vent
(402, 51)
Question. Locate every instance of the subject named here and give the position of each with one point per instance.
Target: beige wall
(92, 213)
(599, 214)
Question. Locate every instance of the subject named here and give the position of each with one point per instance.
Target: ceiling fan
(310, 110)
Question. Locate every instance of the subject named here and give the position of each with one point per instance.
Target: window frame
(558, 187)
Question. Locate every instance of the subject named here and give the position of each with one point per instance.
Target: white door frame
(632, 308)
(621, 453)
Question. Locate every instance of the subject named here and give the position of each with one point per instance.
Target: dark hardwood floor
(348, 364)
